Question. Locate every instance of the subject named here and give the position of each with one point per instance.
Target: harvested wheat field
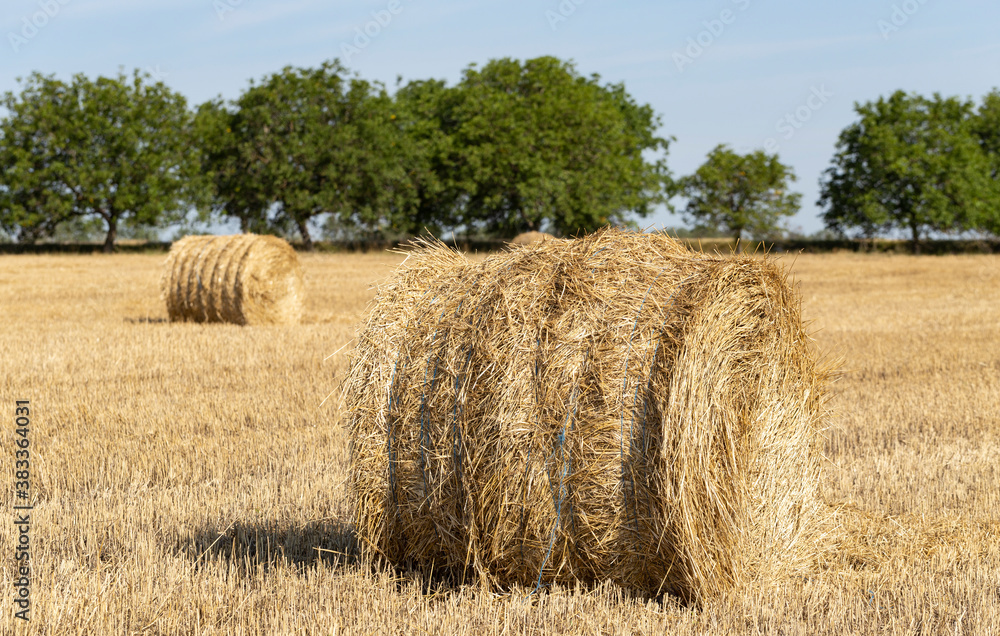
(192, 478)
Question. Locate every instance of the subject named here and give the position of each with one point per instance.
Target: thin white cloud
(767, 49)
(16, 13)
(95, 8)
(990, 49)
(720, 51)
(227, 17)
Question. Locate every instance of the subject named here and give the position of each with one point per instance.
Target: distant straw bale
(244, 279)
(615, 407)
(526, 238)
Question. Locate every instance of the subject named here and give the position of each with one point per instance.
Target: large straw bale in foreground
(612, 407)
(244, 279)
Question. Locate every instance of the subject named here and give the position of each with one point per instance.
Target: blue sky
(749, 73)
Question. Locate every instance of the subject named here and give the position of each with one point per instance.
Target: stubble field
(189, 479)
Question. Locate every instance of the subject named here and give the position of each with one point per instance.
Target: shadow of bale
(262, 545)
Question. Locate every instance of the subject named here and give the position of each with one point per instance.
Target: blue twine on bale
(560, 448)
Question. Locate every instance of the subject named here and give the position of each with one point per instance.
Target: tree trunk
(915, 240)
(738, 235)
(307, 243)
(109, 240)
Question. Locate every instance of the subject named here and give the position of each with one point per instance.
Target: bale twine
(526, 238)
(244, 279)
(615, 407)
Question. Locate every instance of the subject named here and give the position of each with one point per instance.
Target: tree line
(513, 146)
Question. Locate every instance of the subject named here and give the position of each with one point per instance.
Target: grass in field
(190, 478)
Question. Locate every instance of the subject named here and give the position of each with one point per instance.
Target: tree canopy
(305, 142)
(986, 127)
(740, 194)
(427, 114)
(909, 163)
(514, 146)
(534, 143)
(116, 149)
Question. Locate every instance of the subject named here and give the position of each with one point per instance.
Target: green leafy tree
(534, 143)
(307, 142)
(232, 174)
(427, 115)
(740, 194)
(986, 127)
(909, 163)
(33, 198)
(116, 149)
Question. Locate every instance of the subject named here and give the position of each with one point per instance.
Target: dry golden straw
(526, 238)
(611, 407)
(244, 279)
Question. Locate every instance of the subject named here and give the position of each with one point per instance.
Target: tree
(740, 193)
(986, 127)
(114, 148)
(909, 163)
(427, 115)
(235, 183)
(535, 143)
(308, 142)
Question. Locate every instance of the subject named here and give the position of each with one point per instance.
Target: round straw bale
(615, 407)
(526, 238)
(244, 279)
